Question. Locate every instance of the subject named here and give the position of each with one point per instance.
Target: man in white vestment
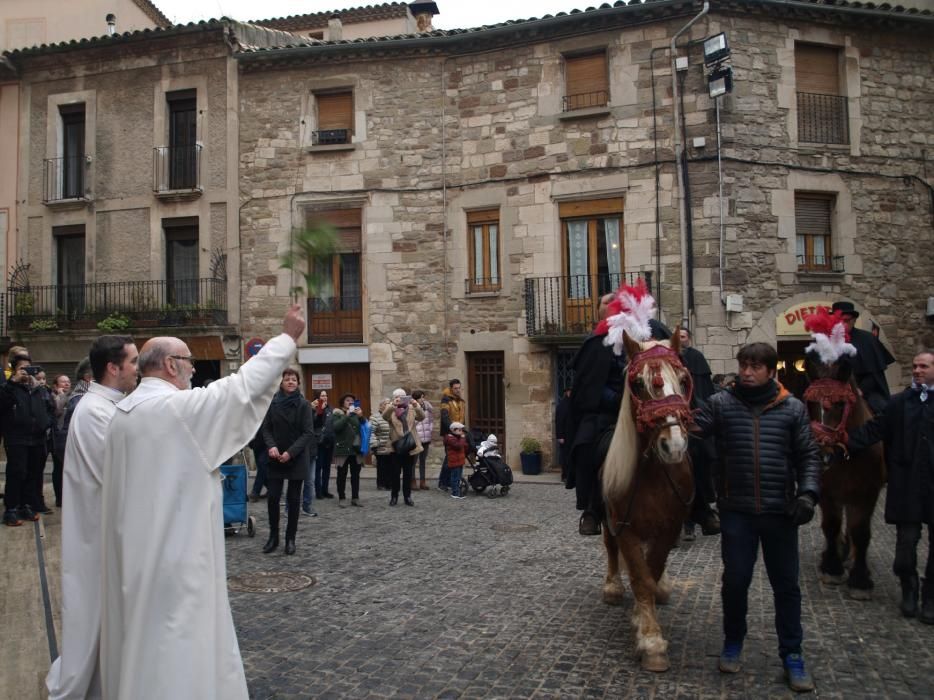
(75, 673)
(167, 630)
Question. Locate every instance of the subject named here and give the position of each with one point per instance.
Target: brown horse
(648, 486)
(850, 484)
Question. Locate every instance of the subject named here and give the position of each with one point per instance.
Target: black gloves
(802, 510)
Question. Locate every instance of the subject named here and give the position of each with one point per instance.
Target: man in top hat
(871, 359)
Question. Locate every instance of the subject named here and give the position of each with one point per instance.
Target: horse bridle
(651, 415)
(827, 392)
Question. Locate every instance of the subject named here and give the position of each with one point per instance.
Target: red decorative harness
(827, 392)
(652, 414)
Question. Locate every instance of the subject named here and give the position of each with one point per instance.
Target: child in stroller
(490, 471)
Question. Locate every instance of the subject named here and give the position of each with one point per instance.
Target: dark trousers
(704, 492)
(261, 455)
(422, 458)
(354, 465)
(907, 537)
(384, 471)
(444, 477)
(323, 470)
(739, 545)
(404, 465)
(292, 498)
(58, 468)
(24, 468)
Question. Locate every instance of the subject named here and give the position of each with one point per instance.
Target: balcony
(176, 172)
(821, 263)
(63, 181)
(330, 137)
(585, 100)
(482, 286)
(561, 309)
(145, 304)
(335, 320)
(823, 119)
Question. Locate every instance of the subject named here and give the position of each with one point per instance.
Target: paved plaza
(500, 598)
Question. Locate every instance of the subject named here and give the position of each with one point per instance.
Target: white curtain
(578, 265)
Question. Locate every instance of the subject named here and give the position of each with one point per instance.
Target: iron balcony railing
(176, 168)
(558, 307)
(330, 137)
(335, 319)
(480, 285)
(821, 263)
(823, 118)
(585, 100)
(145, 303)
(63, 178)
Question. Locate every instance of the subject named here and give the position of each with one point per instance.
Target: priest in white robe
(167, 630)
(75, 673)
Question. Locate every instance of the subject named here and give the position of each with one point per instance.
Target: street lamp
(720, 82)
(715, 49)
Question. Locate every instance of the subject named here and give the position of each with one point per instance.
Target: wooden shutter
(485, 216)
(817, 69)
(590, 207)
(586, 74)
(812, 214)
(348, 223)
(335, 111)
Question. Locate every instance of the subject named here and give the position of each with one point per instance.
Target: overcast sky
(455, 14)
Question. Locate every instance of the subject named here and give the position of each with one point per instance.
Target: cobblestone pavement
(462, 599)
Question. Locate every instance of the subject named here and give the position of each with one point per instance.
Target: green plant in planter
(530, 446)
(25, 303)
(113, 323)
(44, 324)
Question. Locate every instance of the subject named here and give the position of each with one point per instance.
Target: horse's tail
(623, 454)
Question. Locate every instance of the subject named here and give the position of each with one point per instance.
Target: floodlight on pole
(716, 49)
(720, 82)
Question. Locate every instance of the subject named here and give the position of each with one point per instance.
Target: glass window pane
(350, 281)
(494, 254)
(478, 255)
(613, 254)
(579, 282)
(819, 251)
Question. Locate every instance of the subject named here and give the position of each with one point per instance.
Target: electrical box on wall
(930, 311)
(681, 62)
(734, 302)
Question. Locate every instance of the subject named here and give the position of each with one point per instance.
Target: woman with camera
(403, 413)
(289, 434)
(346, 422)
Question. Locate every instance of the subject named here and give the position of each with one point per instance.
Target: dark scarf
(288, 401)
(756, 395)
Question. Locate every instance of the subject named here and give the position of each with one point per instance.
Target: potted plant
(114, 323)
(530, 453)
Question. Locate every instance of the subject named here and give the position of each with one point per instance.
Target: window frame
(479, 222)
(337, 125)
(822, 112)
(809, 238)
(572, 105)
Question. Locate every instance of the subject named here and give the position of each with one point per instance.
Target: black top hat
(846, 308)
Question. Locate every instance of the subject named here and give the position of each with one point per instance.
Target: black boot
(909, 606)
(271, 544)
(927, 601)
(289, 546)
(589, 524)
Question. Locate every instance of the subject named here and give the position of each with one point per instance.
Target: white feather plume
(831, 348)
(633, 320)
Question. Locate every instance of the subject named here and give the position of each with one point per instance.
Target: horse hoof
(831, 579)
(613, 596)
(656, 663)
(859, 593)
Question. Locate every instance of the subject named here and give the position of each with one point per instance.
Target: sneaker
(458, 497)
(327, 495)
(44, 510)
(306, 510)
(27, 513)
(342, 502)
(356, 502)
(730, 658)
(10, 518)
(799, 680)
(442, 488)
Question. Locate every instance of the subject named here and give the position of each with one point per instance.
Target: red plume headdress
(830, 334)
(629, 312)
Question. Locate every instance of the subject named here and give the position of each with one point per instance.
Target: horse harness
(827, 392)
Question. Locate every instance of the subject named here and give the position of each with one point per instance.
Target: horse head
(831, 398)
(660, 390)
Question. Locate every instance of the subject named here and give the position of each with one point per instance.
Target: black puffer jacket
(766, 454)
(27, 413)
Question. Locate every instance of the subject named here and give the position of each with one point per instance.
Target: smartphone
(33, 370)
(356, 404)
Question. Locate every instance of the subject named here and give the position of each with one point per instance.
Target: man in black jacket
(769, 475)
(906, 428)
(870, 361)
(27, 414)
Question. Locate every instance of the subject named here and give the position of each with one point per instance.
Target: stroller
(235, 513)
(490, 473)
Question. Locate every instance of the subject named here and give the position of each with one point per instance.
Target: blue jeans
(740, 536)
(308, 489)
(323, 470)
(262, 464)
(444, 478)
(456, 480)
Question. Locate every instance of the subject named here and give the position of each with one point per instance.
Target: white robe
(75, 673)
(167, 630)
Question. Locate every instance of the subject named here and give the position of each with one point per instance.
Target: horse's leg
(831, 566)
(657, 559)
(613, 590)
(651, 646)
(859, 520)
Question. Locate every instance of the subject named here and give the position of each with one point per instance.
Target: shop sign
(321, 382)
(253, 346)
(791, 321)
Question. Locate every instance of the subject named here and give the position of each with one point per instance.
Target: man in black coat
(870, 361)
(769, 482)
(562, 429)
(906, 428)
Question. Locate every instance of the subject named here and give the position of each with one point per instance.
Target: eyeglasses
(190, 358)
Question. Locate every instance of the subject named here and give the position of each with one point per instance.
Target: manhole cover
(506, 527)
(270, 582)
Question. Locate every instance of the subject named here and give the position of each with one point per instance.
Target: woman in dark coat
(289, 434)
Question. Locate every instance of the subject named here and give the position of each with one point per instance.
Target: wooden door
(486, 395)
(339, 379)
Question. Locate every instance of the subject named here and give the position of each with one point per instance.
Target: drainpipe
(679, 161)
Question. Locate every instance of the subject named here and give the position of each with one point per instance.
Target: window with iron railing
(822, 110)
(813, 232)
(334, 118)
(586, 81)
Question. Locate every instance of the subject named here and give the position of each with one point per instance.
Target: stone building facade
(454, 134)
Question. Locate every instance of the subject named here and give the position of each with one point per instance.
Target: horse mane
(622, 457)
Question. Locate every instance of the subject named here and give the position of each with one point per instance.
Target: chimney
(111, 20)
(335, 28)
(423, 22)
